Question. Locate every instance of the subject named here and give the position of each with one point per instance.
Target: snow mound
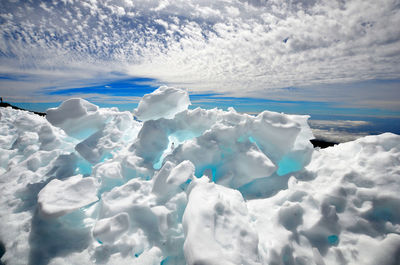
(164, 102)
(59, 197)
(217, 222)
(92, 185)
(75, 116)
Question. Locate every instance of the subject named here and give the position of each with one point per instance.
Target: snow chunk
(167, 180)
(217, 227)
(110, 170)
(118, 128)
(76, 116)
(70, 109)
(58, 197)
(181, 173)
(164, 102)
(230, 156)
(108, 230)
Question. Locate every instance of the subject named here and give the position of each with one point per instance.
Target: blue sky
(318, 57)
(126, 93)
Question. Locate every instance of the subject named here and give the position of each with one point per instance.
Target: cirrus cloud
(240, 48)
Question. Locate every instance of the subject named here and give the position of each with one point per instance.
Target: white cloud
(337, 131)
(337, 123)
(335, 136)
(245, 48)
(162, 23)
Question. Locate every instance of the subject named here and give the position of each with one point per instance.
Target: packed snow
(172, 185)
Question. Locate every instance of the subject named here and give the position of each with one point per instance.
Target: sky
(318, 57)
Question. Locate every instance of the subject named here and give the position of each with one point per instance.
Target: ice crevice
(90, 185)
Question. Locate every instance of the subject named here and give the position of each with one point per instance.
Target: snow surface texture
(94, 186)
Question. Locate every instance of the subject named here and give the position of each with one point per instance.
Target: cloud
(241, 48)
(371, 94)
(337, 131)
(337, 123)
(335, 136)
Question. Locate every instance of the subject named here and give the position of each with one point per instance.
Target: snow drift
(95, 186)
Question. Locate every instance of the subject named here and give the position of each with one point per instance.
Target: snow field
(94, 186)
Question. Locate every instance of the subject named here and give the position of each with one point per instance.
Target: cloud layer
(242, 48)
(337, 131)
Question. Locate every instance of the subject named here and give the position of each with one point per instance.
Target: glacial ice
(60, 197)
(75, 116)
(164, 102)
(90, 185)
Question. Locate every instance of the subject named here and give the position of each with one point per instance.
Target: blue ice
(288, 165)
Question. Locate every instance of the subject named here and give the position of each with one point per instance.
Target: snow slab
(90, 185)
(60, 197)
(163, 102)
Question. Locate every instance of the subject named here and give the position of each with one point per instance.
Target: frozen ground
(95, 186)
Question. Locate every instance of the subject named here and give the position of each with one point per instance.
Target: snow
(164, 102)
(89, 185)
(60, 197)
(75, 116)
(217, 222)
(108, 230)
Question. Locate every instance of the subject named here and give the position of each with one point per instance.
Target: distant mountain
(5, 105)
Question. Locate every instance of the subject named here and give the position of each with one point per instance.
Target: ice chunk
(136, 192)
(63, 166)
(76, 116)
(118, 129)
(151, 142)
(70, 109)
(232, 162)
(168, 179)
(133, 166)
(89, 149)
(61, 197)
(250, 164)
(181, 173)
(302, 150)
(108, 230)
(164, 102)
(217, 227)
(278, 134)
(110, 170)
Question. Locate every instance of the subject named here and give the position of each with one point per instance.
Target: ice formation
(164, 102)
(59, 197)
(92, 185)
